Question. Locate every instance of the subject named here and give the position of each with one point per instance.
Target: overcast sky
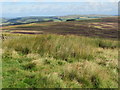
(18, 8)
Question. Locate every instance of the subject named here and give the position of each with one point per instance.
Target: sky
(59, 0)
(23, 8)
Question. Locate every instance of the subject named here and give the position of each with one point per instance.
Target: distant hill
(25, 20)
(3, 20)
(33, 19)
(82, 16)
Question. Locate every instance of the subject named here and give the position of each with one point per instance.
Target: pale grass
(33, 55)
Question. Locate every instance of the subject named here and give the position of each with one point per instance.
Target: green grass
(57, 61)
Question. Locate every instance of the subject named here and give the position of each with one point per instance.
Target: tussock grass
(62, 47)
(57, 61)
(89, 74)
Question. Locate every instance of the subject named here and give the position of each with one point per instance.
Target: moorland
(72, 52)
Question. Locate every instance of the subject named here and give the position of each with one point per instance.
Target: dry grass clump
(88, 74)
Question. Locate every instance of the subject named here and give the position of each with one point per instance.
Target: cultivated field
(71, 54)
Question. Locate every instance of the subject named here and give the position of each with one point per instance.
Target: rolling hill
(33, 19)
(100, 27)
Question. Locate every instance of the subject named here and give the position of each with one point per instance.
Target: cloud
(59, 0)
(85, 0)
(77, 0)
(45, 9)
